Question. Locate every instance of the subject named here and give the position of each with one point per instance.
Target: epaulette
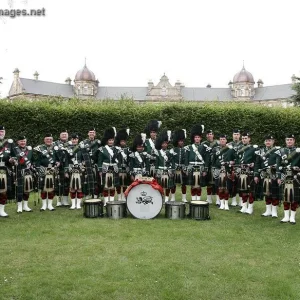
(187, 148)
(10, 141)
(55, 148)
(172, 152)
(229, 146)
(118, 148)
(277, 147)
(297, 150)
(257, 152)
(29, 148)
(131, 154)
(254, 146)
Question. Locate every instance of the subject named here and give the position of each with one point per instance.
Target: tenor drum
(93, 208)
(144, 198)
(174, 210)
(116, 209)
(199, 210)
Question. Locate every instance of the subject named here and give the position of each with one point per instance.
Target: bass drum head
(144, 202)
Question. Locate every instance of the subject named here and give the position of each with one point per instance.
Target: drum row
(93, 208)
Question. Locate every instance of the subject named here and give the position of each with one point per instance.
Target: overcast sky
(128, 42)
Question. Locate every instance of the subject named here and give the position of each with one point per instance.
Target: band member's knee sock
(209, 190)
(112, 195)
(251, 198)
(286, 205)
(294, 206)
(199, 191)
(268, 200)
(105, 193)
(244, 197)
(3, 198)
(118, 189)
(275, 202)
(194, 194)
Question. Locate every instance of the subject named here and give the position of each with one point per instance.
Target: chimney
(150, 85)
(16, 73)
(36, 75)
(68, 80)
(260, 83)
(178, 85)
(230, 84)
(208, 86)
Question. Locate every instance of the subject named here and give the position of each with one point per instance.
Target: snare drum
(199, 210)
(92, 208)
(174, 210)
(116, 209)
(144, 198)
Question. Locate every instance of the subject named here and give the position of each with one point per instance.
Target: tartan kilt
(180, 177)
(209, 179)
(164, 180)
(291, 191)
(124, 178)
(195, 178)
(61, 183)
(110, 179)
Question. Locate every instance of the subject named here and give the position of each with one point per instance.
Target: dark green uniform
(6, 182)
(24, 159)
(139, 164)
(108, 166)
(164, 169)
(150, 149)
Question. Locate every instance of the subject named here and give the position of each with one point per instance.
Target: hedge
(34, 119)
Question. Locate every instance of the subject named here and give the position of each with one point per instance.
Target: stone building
(86, 86)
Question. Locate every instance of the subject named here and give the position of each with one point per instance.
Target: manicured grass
(63, 255)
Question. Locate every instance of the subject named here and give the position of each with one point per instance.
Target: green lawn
(63, 255)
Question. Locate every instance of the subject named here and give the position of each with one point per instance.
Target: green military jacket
(178, 157)
(123, 158)
(164, 160)
(43, 156)
(139, 161)
(6, 152)
(221, 156)
(287, 158)
(108, 157)
(150, 149)
(196, 155)
(246, 154)
(24, 156)
(236, 145)
(92, 147)
(265, 158)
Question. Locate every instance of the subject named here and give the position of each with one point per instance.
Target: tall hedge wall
(34, 119)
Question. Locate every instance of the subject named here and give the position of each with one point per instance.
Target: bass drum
(144, 199)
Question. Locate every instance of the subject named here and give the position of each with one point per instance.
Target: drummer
(164, 164)
(196, 162)
(108, 165)
(139, 165)
(223, 157)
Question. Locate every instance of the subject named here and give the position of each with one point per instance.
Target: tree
(296, 88)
